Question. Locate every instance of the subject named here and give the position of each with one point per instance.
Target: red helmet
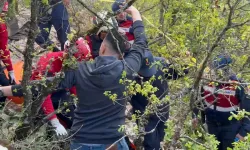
(5, 7)
(83, 50)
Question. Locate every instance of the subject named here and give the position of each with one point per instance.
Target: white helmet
(103, 15)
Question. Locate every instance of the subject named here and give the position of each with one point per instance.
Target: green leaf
(193, 60)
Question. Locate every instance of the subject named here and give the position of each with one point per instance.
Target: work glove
(3, 148)
(66, 44)
(12, 78)
(59, 128)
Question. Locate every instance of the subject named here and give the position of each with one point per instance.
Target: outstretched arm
(136, 53)
(6, 91)
(16, 90)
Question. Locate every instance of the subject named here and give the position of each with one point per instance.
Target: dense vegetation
(175, 28)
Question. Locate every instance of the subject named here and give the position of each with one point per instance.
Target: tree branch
(195, 88)
(223, 82)
(189, 138)
(29, 57)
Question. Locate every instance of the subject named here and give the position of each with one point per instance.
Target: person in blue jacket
(220, 101)
(139, 102)
(55, 14)
(97, 118)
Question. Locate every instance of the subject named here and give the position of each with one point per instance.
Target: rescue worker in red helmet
(220, 101)
(54, 60)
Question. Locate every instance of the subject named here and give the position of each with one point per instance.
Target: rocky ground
(19, 45)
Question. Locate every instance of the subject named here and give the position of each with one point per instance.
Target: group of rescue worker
(94, 121)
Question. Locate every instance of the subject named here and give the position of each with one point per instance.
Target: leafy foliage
(174, 28)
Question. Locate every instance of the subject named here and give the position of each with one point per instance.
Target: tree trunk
(29, 57)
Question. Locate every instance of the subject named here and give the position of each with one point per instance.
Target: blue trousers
(121, 145)
(3, 82)
(62, 28)
(152, 141)
(225, 134)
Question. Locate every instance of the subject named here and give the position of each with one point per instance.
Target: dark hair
(117, 37)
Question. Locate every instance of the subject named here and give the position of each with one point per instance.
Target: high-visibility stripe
(222, 109)
(131, 41)
(209, 89)
(227, 92)
(220, 91)
(124, 29)
(225, 96)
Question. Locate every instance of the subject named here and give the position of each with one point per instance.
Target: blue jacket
(139, 102)
(59, 11)
(97, 118)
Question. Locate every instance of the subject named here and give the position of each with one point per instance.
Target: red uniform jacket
(127, 27)
(226, 99)
(5, 7)
(4, 51)
(94, 43)
(54, 61)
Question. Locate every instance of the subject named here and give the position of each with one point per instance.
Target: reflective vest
(126, 26)
(221, 98)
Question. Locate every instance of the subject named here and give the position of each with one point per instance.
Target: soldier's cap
(222, 61)
(116, 5)
(147, 69)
